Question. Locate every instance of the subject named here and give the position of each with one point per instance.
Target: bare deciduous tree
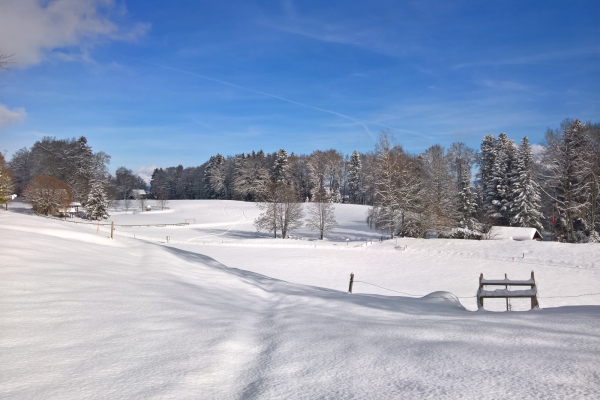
(47, 194)
(398, 189)
(321, 215)
(162, 199)
(281, 210)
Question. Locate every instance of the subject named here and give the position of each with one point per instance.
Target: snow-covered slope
(82, 316)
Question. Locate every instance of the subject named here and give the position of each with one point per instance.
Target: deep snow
(83, 316)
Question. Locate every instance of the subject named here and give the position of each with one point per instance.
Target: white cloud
(145, 172)
(31, 30)
(538, 151)
(11, 117)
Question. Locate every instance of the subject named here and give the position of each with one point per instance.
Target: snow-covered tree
(47, 194)
(21, 164)
(499, 192)
(280, 168)
(215, 178)
(321, 215)
(570, 178)
(487, 159)
(298, 175)
(325, 169)
(398, 195)
(6, 182)
(96, 206)
(281, 210)
(526, 204)
(251, 176)
(439, 190)
(460, 156)
(466, 201)
(355, 178)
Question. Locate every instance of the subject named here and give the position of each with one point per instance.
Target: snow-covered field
(223, 312)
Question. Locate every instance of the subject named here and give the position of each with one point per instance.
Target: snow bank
(145, 320)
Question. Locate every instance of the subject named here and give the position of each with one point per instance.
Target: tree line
(458, 192)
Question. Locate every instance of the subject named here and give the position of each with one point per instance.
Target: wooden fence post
(480, 299)
(506, 287)
(351, 282)
(534, 301)
(112, 229)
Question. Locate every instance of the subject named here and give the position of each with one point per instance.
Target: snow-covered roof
(514, 233)
(75, 204)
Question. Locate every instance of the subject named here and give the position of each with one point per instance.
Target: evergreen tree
(281, 166)
(499, 192)
(355, 178)
(215, 178)
(96, 206)
(466, 202)
(526, 205)
(487, 159)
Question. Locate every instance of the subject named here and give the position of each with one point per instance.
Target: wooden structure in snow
(514, 233)
(138, 194)
(505, 293)
(71, 210)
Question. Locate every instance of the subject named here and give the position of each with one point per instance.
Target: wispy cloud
(332, 26)
(539, 58)
(11, 117)
(503, 85)
(33, 30)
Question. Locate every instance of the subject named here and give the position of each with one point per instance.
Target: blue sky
(155, 83)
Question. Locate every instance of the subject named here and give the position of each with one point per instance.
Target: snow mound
(443, 297)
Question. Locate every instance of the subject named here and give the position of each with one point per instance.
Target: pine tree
(96, 206)
(280, 167)
(466, 202)
(526, 205)
(499, 192)
(487, 158)
(355, 178)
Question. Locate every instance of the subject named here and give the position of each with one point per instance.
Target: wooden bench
(505, 293)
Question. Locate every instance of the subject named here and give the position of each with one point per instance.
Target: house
(138, 194)
(514, 233)
(71, 210)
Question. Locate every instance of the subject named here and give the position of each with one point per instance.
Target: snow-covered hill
(83, 316)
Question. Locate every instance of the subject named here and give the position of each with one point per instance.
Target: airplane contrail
(208, 78)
